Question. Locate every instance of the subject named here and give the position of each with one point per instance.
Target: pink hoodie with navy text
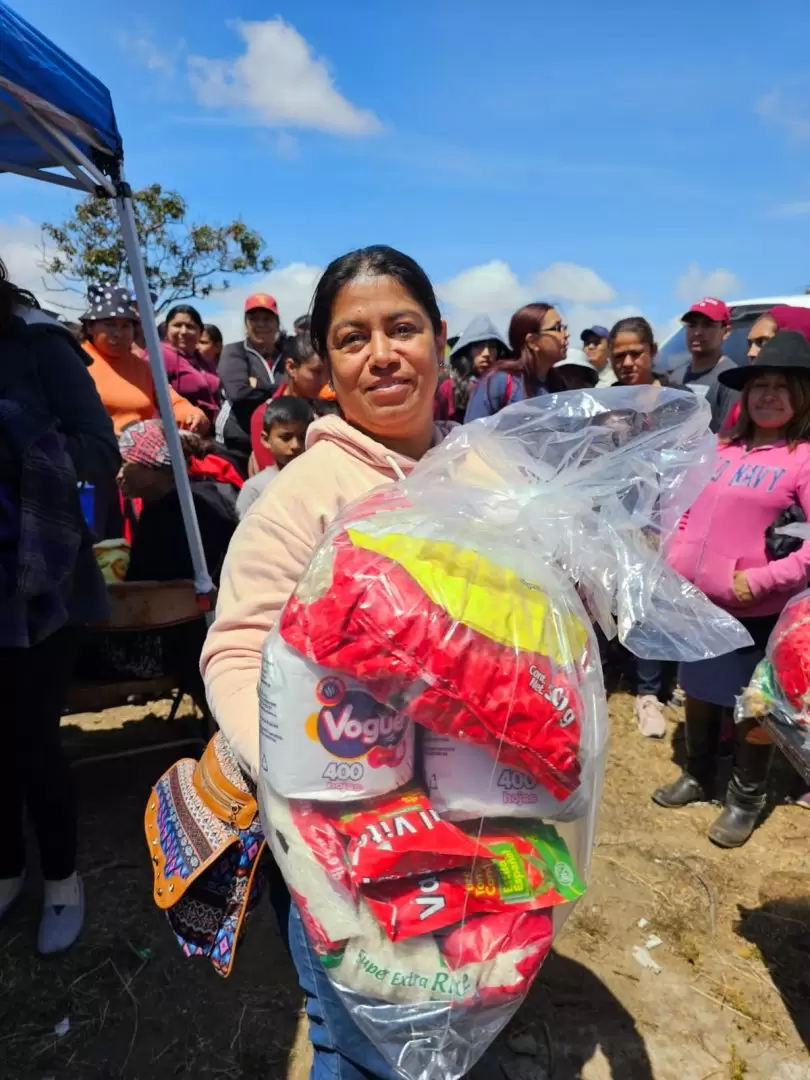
(725, 530)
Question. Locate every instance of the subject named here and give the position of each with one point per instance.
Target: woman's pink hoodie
(725, 529)
(269, 551)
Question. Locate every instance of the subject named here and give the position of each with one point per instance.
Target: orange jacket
(127, 389)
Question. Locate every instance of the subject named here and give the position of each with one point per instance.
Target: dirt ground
(731, 1000)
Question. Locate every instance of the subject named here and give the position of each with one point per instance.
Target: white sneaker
(62, 915)
(650, 716)
(10, 892)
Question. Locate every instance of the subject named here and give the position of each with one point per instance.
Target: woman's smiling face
(384, 357)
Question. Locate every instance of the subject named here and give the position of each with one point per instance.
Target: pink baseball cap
(716, 310)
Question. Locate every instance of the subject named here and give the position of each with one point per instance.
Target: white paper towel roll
(465, 782)
(323, 736)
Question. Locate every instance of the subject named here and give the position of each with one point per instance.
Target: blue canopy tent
(56, 116)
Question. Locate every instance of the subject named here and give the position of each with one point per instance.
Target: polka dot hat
(110, 302)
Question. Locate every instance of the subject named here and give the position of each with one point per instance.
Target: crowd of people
(359, 391)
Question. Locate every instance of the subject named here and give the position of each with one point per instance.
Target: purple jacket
(193, 379)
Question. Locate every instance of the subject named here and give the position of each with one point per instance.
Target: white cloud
(143, 50)
(793, 209)
(22, 252)
(696, 283)
(581, 315)
(579, 284)
(292, 286)
(280, 81)
(494, 289)
(787, 111)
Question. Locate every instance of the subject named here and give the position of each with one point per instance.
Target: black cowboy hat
(788, 351)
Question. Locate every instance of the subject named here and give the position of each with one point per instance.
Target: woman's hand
(198, 424)
(742, 590)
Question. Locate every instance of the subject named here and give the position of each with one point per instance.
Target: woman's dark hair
(11, 297)
(301, 324)
(526, 320)
(214, 333)
(633, 325)
(185, 309)
(195, 447)
(376, 261)
(297, 348)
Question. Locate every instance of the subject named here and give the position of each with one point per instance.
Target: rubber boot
(696, 784)
(746, 796)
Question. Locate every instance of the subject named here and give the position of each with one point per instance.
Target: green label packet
(533, 861)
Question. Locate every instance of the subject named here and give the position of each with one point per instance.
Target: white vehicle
(744, 313)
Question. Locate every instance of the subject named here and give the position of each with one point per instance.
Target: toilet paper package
(323, 736)
(465, 782)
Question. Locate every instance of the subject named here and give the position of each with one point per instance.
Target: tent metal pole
(25, 124)
(41, 174)
(202, 580)
(78, 155)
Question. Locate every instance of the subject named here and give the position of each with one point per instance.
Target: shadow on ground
(571, 1015)
(780, 929)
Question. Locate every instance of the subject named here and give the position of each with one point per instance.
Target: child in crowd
(305, 377)
(305, 372)
(284, 430)
(573, 372)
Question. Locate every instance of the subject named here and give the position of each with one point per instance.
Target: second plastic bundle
(778, 695)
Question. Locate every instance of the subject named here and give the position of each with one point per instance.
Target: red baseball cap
(716, 310)
(261, 300)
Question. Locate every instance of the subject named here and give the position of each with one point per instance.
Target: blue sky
(629, 159)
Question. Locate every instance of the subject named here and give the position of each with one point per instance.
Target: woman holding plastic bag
(376, 320)
(452, 604)
(763, 469)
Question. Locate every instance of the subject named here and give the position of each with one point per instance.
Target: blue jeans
(342, 1051)
(655, 677)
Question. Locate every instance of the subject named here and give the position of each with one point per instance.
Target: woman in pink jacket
(763, 468)
(377, 326)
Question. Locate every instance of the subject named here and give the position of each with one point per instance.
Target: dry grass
(737, 1066)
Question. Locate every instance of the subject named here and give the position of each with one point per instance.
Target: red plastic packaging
(401, 835)
(790, 653)
(527, 934)
(531, 870)
(321, 836)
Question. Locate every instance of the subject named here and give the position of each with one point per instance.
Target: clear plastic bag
(457, 607)
(778, 695)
